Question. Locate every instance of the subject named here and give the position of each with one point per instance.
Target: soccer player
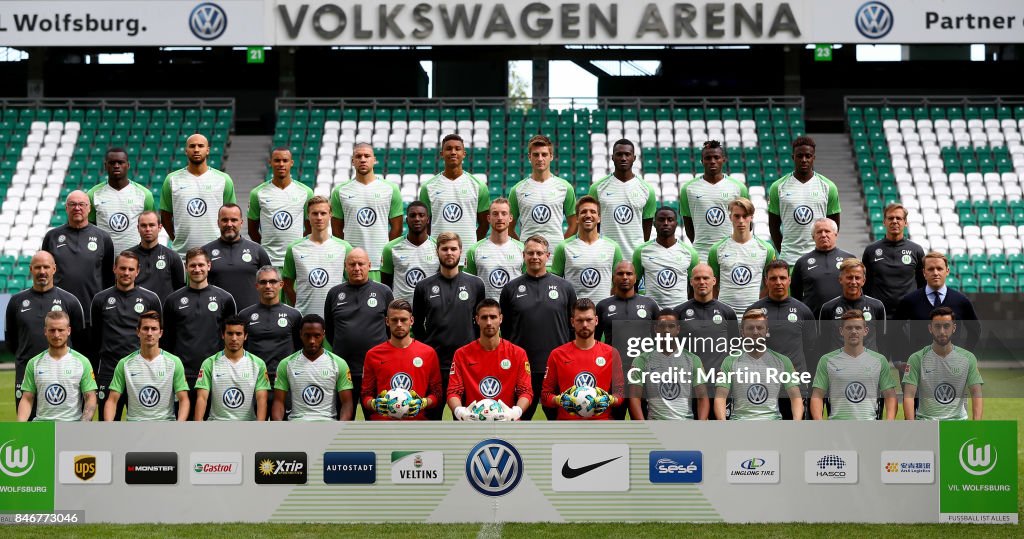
(188, 196)
(277, 209)
(273, 326)
(355, 313)
(409, 259)
(792, 326)
(587, 259)
(454, 196)
(490, 368)
(623, 305)
(151, 378)
(193, 315)
(703, 200)
(401, 362)
(753, 394)
(313, 265)
(816, 274)
(584, 362)
(373, 206)
(668, 261)
(704, 317)
(116, 204)
(235, 378)
(667, 399)
(851, 277)
(61, 375)
(443, 308)
(542, 202)
(796, 199)
(84, 253)
(739, 260)
(496, 259)
(310, 374)
(115, 321)
(536, 313)
(160, 269)
(943, 374)
(25, 317)
(627, 202)
(234, 260)
(894, 265)
(853, 377)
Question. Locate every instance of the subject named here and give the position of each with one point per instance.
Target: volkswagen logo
(623, 214)
(414, 276)
(498, 278)
(312, 395)
(282, 220)
(490, 387)
(715, 216)
(667, 278)
(233, 398)
(874, 20)
(803, 215)
(208, 21)
(669, 390)
(944, 393)
(366, 217)
(318, 278)
(494, 467)
(401, 381)
(118, 222)
(541, 214)
(452, 212)
(55, 394)
(590, 278)
(757, 394)
(149, 396)
(855, 392)
(741, 275)
(585, 379)
(196, 207)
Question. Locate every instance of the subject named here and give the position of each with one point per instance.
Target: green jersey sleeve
(569, 205)
(513, 202)
(913, 373)
(727, 364)
(92, 203)
(698, 366)
(206, 373)
(558, 260)
(148, 204)
(117, 383)
(617, 257)
(344, 375)
(262, 381)
(638, 265)
(773, 197)
(281, 381)
(684, 200)
(425, 196)
(744, 192)
(771, 253)
(229, 190)
(821, 380)
(179, 375)
(88, 380)
(652, 203)
(886, 380)
(28, 383)
(387, 263)
(397, 208)
(973, 376)
(640, 365)
(288, 271)
(254, 203)
(471, 258)
(833, 198)
(713, 259)
(337, 208)
(483, 199)
(593, 190)
(694, 257)
(165, 196)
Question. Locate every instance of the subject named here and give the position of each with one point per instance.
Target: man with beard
(236, 379)
(853, 377)
(587, 259)
(496, 259)
(160, 269)
(63, 377)
(317, 380)
(943, 374)
(234, 259)
(407, 260)
(667, 399)
(277, 209)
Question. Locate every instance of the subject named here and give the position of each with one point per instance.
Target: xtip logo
(16, 461)
(874, 20)
(280, 468)
(208, 21)
(978, 460)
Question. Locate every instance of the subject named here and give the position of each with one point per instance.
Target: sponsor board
(85, 467)
(676, 467)
(151, 468)
(350, 467)
(908, 467)
(744, 467)
(26, 467)
(417, 467)
(281, 468)
(978, 478)
(830, 466)
(215, 468)
(590, 467)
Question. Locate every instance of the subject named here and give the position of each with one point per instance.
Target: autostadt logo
(874, 20)
(350, 467)
(16, 461)
(494, 467)
(676, 467)
(752, 466)
(978, 460)
(830, 466)
(208, 21)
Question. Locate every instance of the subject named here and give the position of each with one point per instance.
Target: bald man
(705, 316)
(26, 311)
(191, 196)
(355, 312)
(83, 252)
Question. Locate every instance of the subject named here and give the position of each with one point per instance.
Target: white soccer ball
(487, 409)
(398, 403)
(585, 399)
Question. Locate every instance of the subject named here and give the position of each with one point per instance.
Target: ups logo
(85, 467)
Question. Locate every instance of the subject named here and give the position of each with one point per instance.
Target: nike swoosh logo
(59, 246)
(108, 308)
(569, 472)
(877, 259)
(432, 297)
(809, 268)
(520, 295)
(216, 258)
(183, 307)
(29, 309)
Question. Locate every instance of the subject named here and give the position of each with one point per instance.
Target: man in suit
(918, 305)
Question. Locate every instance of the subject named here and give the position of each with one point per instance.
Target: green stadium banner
(978, 471)
(26, 467)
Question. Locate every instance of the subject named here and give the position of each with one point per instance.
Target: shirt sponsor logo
(715, 216)
(623, 214)
(741, 275)
(233, 398)
(757, 394)
(313, 395)
(366, 217)
(350, 467)
(945, 393)
(401, 381)
(151, 468)
(590, 277)
(830, 466)
(494, 467)
(752, 466)
(55, 394)
(208, 21)
(318, 278)
(855, 392)
(585, 379)
(282, 220)
(901, 467)
(215, 468)
(149, 396)
(676, 467)
(540, 214)
(490, 387)
(413, 276)
(417, 467)
(452, 212)
(498, 278)
(669, 390)
(196, 207)
(281, 468)
(85, 467)
(590, 467)
(803, 215)
(667, 278)
(118, 222)
(874, 20)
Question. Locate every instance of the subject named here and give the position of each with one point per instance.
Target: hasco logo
(830, 466)
(282, 220)
(676, 467)
(16, 461)
(494, 467)
(874, 20)
(208, 21)
(350, 467)
(118, 222)
(978, 460)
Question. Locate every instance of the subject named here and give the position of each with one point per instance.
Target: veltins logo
(215, 468)
(752, 466)
(208, 21)
(590, 467)
(494, 467)
(676, 467)
(832, 466)
(26, 467)
(281, 468)
(159, 468)
(978, 482)
(874, 20)
(85, 467)
(417, 467)
(350, 467)
(902, 467)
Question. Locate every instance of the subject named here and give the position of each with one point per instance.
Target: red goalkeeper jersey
(570, 366)
(388, 367)
(500, 374)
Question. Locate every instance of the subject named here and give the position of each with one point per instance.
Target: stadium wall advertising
(556, 472)
(511, 22)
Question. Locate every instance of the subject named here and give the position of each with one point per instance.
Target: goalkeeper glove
(565, 401)
(515, 413)
(462, 413)
(415, 405)
(380, 404)
(602, 402)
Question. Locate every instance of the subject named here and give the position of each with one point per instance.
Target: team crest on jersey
(118, 222)
(585, 379)
(839, 311)
(689, 313)
(401, 381)
(452, 212)
(522, 288)
(666, 278)
(715, 216)
(435, 289)
(111, 300)
(506, 364)
(282, 220)
(417, 362)
(878, 252)
(254, 316)
(26, 303)
(490, 387)
(803, 215)
(196, 207)
(590, 278)
(414, 276)
(623, 214)
(498, 278)
(215, 252)
(810, 261)
(600, 361)
(669, 390)
(366, 217)
(540, 214)
(612, 308)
